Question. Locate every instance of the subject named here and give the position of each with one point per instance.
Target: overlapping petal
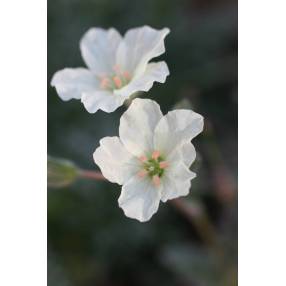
(101, 99)
(115, 162)
(176, 181)
(139, 198)
(154, 72)
(175, 128)
(98, 49)
(137, 126)
(139, 46)
(72, 82)
(188, 153)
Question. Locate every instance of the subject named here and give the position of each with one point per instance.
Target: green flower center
(152, 166)
(117, 80)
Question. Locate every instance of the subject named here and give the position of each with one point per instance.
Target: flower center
(116, 80)
(154, 167)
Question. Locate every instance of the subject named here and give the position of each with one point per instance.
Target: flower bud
(61, 172)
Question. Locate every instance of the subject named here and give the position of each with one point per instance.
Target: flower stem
(196, 215)
(193, 213)
(93, 175)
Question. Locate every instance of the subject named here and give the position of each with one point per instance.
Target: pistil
(154, 167)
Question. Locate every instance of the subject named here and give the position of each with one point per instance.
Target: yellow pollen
(156, 180)
(155, 155)
(163, 165)
(117, 81)
(142, 173)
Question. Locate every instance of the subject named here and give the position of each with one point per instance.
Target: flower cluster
(153, 153)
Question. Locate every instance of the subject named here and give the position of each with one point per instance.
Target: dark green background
(90, 241)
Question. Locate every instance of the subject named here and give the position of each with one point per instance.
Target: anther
(117, 81)
(104, 82)
(142, 173)
(116, 68)
(155, 155)
(126, 75)
(163, 164)
(143, 158)
(156, 180)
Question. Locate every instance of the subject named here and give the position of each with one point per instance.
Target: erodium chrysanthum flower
(117, 67)
(151, 157)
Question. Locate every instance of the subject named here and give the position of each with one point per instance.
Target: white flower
(117, 67)
(151, 157)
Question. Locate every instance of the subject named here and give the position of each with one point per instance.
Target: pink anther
(163, 164)
(156, 180)
(142, 173)
(126, 75)
(117, 81)
(116, 68)
(143, 158)
(155, 155)
(104, 82)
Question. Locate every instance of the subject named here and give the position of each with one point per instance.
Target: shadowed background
(90, 241)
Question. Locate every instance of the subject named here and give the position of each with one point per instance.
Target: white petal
(100, 99)
(137, 125)
(176, 182)
(154, 72)
(139, 198)
(98, 49)
(115, 162)
(175, 128)
(139, 46)
(71, 83)
(188, 153)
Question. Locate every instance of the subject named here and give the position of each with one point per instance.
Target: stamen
(117, 81)
(142, 173)
(164, 164)
(155, 155)
(126, 75)
(143, 158)
(156, 180)
(104, 82)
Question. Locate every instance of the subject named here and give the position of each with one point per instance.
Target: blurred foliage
(90, 241)
(61, 173)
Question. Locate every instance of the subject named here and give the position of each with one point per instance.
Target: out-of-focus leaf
(198, 265)
(56, 272)
(61, 172)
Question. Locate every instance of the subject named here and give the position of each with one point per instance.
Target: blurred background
(188, 242)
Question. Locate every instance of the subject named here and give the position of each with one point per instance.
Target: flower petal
(176, 182)
(139, 198)
(139, 46)
(101, 99)
(98, 49)
(188, 153)
(71, 83)
(154, 72)
(137, 125)
(175, 128)
(115, 162)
